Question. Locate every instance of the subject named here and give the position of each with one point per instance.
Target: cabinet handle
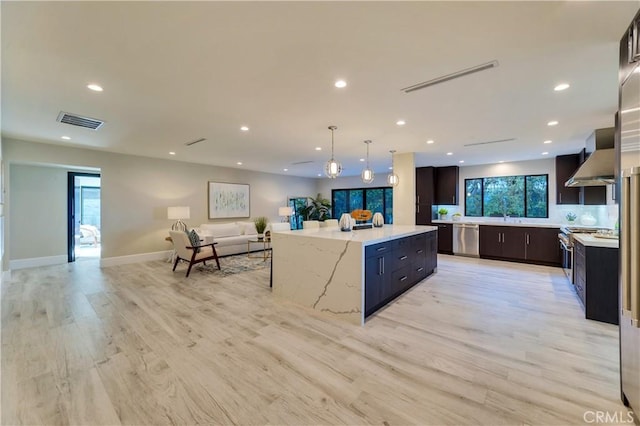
(381, 248)
(420, 269)
(418, 199)
(403, 278)
(453, 199)
(382, 265)
(403, 257)
(527, 239)
(419, 251)
(559, 197)
(418, 207)
(498, 237)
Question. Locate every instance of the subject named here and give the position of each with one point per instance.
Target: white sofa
(231, 237)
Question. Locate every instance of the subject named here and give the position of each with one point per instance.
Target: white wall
(136, 192)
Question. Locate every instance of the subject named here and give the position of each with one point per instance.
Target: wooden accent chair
(185, 251)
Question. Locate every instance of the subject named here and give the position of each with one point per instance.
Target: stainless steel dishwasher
(466, 239)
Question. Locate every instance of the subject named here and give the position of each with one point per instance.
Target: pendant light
(392, 178)
(367, 174)
(332, 169)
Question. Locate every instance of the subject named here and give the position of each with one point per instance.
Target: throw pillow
(194, 238)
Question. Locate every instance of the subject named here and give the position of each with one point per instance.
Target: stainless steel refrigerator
(629, 122)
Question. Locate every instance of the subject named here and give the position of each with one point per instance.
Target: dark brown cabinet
(566, 165)
(392, 267)
(446, 185)
(521, 244)
(424, 195)
(445, 238)
(596, 281)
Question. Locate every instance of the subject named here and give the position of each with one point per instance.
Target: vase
(378, 220)
(345, 222)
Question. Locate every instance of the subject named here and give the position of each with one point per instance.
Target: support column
(404, 194)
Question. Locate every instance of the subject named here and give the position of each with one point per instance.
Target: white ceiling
(174, 72)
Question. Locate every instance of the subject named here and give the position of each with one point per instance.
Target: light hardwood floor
(480, 342)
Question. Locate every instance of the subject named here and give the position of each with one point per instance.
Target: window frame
(364, 199)
(524, 201)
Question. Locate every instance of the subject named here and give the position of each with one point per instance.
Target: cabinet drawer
(401, 280)
(419, 270)
(401, 259)
(419, 245)
(376, 249)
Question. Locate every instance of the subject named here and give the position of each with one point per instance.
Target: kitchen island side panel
(321, 273)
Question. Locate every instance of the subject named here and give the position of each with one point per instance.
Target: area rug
(230, 265)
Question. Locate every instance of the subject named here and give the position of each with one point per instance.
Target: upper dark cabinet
(446, 185)
(566, 165)
(425, 185)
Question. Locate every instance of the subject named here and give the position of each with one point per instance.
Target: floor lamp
(178, 213)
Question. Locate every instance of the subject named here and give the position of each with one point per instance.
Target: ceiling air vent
(80, 121)
(451, 76)
(195, 142)
(489, 142)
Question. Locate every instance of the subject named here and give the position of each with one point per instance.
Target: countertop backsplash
(606, 215)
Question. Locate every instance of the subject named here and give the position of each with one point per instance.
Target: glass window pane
(504, 196)
(356, 199)
(339, 203)
(375, 200)
(473, 197)
(90, 208)
(537, 196)
(388, 205)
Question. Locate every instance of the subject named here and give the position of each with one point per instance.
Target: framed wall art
(227, 200)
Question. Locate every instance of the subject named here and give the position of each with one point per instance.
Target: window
(516, 196)
(374, 199)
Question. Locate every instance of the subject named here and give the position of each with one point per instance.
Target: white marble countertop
(509, 222)
(365, 236)
(591, 241)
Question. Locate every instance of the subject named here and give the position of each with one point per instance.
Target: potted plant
(571, 217)
(261, 224)
(443, 213)
(456, 216)
(316, 209)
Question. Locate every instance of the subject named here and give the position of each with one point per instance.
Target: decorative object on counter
(456, 217)
(361, 215)
(378, 220)
(178, 213)
(442, 213)
(345, 222)
(571, 217)
(392, 178)
(261, 224)
(367, 173)
(332, 169)
(588, 219)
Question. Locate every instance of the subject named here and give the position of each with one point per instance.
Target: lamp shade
(285, 211)
(178, 212)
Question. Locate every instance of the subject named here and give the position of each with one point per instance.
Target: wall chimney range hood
(597, 170)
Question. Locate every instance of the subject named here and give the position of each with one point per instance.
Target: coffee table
(266, 248)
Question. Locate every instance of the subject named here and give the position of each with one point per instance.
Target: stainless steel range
(565, 237)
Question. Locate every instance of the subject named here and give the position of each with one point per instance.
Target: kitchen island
(350, 275)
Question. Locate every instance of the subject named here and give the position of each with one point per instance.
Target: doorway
(83, 212)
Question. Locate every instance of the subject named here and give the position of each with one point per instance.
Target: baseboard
(37, 261)
(135, 258)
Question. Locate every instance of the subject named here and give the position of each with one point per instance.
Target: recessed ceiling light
(461, 161)
(319, 174)
(390, 168)
(545, 153)
(318, 148)
(547, 141)
(401, 122)
(94, 87)
(244, 128)
(449, 153)
(285, 170)
(66, 138)
(340, 84)
(637, 70)
(552, 123)
(562, 86)
(430, 141)
(239, 163)
(172, 153)
(362, 160)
